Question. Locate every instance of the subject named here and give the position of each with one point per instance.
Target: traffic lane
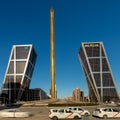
(41, 113)
(44, 112)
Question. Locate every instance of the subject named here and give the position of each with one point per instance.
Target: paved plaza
(41, 113)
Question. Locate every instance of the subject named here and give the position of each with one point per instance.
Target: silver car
(106, 112)
(14, 113)
(61, 113)
(79, 110)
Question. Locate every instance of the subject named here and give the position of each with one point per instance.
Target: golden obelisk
(52, 55)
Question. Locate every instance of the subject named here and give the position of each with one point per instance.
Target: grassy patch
(71, 104)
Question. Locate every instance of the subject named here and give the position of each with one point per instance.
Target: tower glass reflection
(97, 71)
(19, 72)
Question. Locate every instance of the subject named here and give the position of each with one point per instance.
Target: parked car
(14, 113)
(62, 113)
(106, 112)
(80, 110)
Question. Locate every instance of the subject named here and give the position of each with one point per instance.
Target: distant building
(19, 73)
(82, 96)
(78, 95)
(86, 99)
(36, 94)
(98, 73)
(70, 98)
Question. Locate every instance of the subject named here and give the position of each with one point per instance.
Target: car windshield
(97, 109)
(74, 108)
(107, 110)
(67, 111)
(116, 110)
(79, 109)
(61, 111)
(54, 110)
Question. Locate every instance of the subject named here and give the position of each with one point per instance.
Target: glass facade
(19, 72)
(97, 72)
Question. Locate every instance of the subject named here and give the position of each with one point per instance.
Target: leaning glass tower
(19, 72)
(97, 71)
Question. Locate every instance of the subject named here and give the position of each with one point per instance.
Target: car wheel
(86, 114)
(104, 116)
(55, 118)
(76, 117)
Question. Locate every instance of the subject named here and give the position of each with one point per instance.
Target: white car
(14, 113)
(106, 113)
(61, 113)
(80, 110)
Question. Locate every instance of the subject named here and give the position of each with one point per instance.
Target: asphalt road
(41, 113)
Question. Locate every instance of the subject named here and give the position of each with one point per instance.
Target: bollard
(86, 117)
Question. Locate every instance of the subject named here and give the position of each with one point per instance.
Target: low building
(36, 94)
(78, 95)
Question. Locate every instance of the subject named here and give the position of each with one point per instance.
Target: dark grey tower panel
(98, 73)
(19, 72)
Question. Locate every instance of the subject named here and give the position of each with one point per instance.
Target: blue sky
(76, 21)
